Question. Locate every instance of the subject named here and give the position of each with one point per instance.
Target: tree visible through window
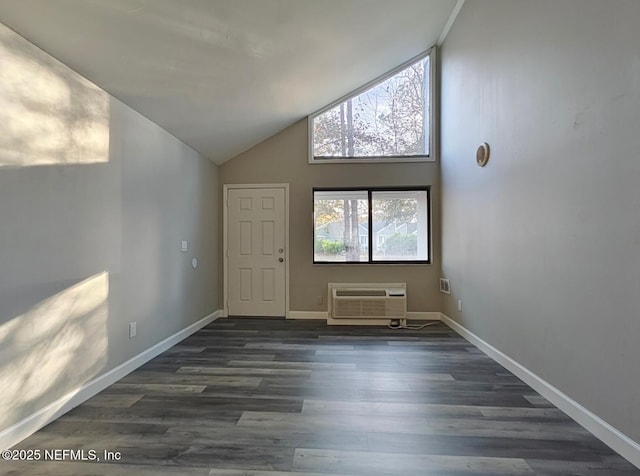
(388, 120)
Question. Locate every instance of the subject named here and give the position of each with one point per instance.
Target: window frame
(370, 191)
(431, 157)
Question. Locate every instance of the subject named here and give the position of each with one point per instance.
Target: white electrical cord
(413, 328)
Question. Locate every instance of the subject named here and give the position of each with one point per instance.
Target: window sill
(372, 160)
(377, 263)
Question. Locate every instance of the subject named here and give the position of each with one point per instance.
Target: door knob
(281, 259)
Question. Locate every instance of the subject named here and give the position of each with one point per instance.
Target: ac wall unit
(373, 302)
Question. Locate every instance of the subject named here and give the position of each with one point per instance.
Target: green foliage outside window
(401, 244)
(329, 247)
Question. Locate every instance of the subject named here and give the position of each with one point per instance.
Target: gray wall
(94, 201)
(543, 244)
(283, 159)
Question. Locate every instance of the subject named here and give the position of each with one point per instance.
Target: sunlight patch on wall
(50, 115)
(59, 344)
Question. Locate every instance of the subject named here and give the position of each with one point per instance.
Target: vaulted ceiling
(223, 75)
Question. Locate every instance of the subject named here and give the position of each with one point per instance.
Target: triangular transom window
(387, 120)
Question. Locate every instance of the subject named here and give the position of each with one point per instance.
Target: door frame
(225, 239)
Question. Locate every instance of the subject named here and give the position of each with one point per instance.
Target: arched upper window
(387, 120)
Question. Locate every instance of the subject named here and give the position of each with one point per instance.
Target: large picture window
(371, 225)
(387, 120)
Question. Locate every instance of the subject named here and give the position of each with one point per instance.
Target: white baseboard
(307, 315)
(423, 316)
(412, 316)
(29, 425)
(602, 430)
(358, 322)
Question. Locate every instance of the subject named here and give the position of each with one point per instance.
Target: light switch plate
(185, 246)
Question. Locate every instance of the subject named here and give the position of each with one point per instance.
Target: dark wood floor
(265, 397)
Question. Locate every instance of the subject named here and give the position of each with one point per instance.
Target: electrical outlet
(132, 330)
(459, 304)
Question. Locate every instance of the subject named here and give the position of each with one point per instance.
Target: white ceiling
(223, 75)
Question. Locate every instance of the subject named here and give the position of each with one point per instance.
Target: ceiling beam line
(450, 21)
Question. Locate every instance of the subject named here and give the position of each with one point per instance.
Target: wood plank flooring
(270, 397)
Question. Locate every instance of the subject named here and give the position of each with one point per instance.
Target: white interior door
(256, 252)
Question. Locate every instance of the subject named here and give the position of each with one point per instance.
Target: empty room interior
(320, 237)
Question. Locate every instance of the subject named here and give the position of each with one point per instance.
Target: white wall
(543, 244)
(94, 201)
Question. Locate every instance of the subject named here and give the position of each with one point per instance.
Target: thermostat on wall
(482, 154)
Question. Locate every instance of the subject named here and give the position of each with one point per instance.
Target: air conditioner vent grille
(368, 303)
(445, 287)
(361, 292)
